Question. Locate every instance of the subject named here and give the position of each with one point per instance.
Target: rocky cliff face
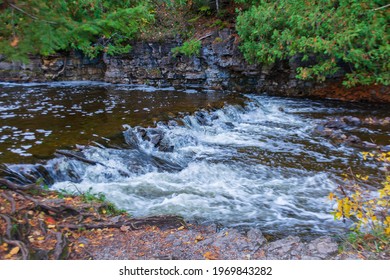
(220, 65)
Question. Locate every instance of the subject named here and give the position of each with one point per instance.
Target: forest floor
(42, 224)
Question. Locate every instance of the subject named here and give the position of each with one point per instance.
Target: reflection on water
(36, 119)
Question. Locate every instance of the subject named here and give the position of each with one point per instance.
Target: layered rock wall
(220, 65)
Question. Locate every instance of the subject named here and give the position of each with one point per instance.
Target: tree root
(134, 224)
(23, 248)
(11, 200)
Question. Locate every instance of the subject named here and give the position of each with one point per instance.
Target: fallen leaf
(199, 238)
(81, 245)
(124, 228)
(50, 220)
(181, 228)
(14, 251)
(14, 42)
(210, 256)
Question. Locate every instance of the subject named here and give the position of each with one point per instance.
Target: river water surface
(238, 159)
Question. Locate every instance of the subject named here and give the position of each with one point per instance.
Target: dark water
(246, 160)
(37, 119)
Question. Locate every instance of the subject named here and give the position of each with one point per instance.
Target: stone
(255, 236)
(385, 148)
(353, 139)
(322, 247)
(352, 120)
(336, 124)
(369, 145)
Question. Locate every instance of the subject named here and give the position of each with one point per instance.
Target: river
(237, 159)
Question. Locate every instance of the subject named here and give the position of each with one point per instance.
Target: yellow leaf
(81, 245)
(181, 228)
(14, 251)
(199, 238)
(331, 196)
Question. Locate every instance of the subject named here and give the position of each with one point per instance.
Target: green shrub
(189, 48)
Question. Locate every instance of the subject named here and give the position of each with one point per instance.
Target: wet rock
(229, 125)
(322, 131)
(352, 120)
(201, 118)
(371, 121)
(172, 123)
(141, 131)
(369, 145)
(353, 139)
(385, 121)
(155, 136)
(385, 148)
(165, 147)
(336, 124)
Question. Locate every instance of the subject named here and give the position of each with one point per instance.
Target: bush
(189, 48)
(368, 210)
(336, 32)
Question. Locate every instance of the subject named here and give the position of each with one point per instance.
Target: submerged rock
(352, 120)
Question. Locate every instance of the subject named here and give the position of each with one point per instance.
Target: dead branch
(15, 187)
(30, 15)
(205, 36)
(79, 158)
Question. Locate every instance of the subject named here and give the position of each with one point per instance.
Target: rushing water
(254, 161)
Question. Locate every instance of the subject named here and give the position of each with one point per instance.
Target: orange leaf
(14, 251)
(210, 256)
(14, 42)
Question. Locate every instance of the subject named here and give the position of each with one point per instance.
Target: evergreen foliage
(333, 32)
(46, 27)
(189, 48)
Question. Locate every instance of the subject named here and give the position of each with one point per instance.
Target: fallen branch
(15, 187)
(79, 158)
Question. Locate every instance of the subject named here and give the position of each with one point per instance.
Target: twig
(30, 15)
(79, 158)
(205, 36)
(380, 8)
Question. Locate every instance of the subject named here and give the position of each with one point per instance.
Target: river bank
(41, 224)
(219, 65)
